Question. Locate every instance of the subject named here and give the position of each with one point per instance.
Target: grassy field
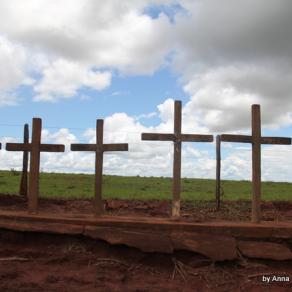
(81, 186)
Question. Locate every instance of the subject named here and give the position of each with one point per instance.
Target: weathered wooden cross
(35, 148)
(177, 137)
(23, 181)
(256, 140)
(99, 148)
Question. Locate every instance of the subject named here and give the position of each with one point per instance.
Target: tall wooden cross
(256, 140)
(35, 148)
(99, 148)
(177, 137)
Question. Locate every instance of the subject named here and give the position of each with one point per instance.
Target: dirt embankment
(42, 262)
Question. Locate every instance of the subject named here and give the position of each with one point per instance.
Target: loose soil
(47, 262)
(198, 211)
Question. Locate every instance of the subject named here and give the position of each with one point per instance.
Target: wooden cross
(177, 137)
(35, 148)
(256, 140)
(23, 181)
(99, 148)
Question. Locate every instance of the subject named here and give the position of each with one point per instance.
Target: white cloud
(235, 54)
(69, 41)
(62, 79)
(229, 54)
(12, 60)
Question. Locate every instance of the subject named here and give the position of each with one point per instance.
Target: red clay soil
(47, 262)
(190, 211)
(42, 262)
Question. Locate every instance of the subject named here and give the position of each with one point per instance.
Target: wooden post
(99, 148)
(177, 137)
(256, 163)
(256, 140)
(176, 160)
(218, 171)
(98, 168)
(34, 165)
(23, 181)
(35, 147)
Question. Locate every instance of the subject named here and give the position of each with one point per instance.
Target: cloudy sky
(73, 61)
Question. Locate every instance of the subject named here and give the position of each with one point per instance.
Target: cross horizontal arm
(196, 138)
(115, 147)
(157, 137)
(18, 146)
(27, 147)
(276, 140)
(52, 148)
(83, 147)
(93, 147)
(236, 138)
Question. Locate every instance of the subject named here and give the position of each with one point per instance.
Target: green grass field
(82, 186)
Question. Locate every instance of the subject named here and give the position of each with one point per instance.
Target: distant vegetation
(123, 187)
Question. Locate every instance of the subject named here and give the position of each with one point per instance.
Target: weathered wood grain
(256, 163)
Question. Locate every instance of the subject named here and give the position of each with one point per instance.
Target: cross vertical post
(23, 181)
(218, 171)
(176, 160)
(98, 168)
(34, 165)
(256, 162)
(177, 138)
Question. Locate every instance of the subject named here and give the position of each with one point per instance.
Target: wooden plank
(115, 147)
(97, 201)
(176, 161)
(83, 147)
(34, 166)
(218, 172)
(52, 148)
(276, 140)
(23, 181)
(157, 137)
(256, 163)
(196, 138)
(18, 147)
(236, 138)
(0, 146)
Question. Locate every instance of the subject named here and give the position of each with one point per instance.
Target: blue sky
(134, 95)
(71, 62)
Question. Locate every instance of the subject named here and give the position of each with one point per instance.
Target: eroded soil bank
(43, 262)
